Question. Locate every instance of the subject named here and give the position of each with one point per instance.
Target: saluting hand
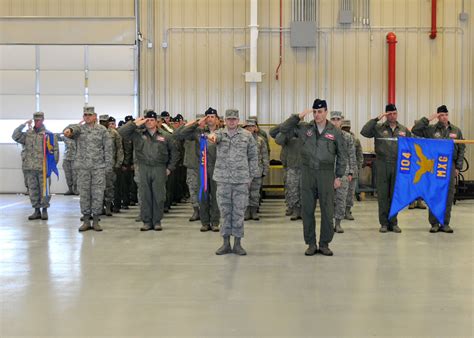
(28, 123)
(305, 112)
(81, 122)
(202, 122)
(382, 115)
(433, 116)
(68, 132)
(140, 121)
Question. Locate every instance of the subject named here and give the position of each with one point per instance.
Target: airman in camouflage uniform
(351, 168)
(236, 166)
(346, 126)
(68, 162)
(263, 167)
(443, 129)
(208, 208)
(32, 162)
(291, 159)
(156, 156)
(386, 150)
(93, 157)
(323, 161)
(111, 172)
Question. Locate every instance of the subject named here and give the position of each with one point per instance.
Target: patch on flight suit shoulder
(437, 134)
(309, 132)
(160, 138)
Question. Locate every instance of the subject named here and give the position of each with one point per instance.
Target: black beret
(390, 107)
(129, 118)
(178, 118)
(150, 114)
(442, 109)
(210, 111)
(111, 119)
(121, 123)
(318, 104)
(164, 114)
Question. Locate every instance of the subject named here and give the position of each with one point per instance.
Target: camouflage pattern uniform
(127, 173)
(351, 168)
(263, 167)
(154, 154)
(68, 162)
(355, 176)
(32, 161)
(236, 166)
(93, 157)
(117, 155)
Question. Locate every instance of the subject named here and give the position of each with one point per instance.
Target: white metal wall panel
(61, 57)
(62, 106)
(111, 57)
(117, 106)
(17, 106)
(17, 57)
(17, 82)
(62, 82)
(110, 82)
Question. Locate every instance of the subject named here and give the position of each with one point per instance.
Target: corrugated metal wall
(201, 68)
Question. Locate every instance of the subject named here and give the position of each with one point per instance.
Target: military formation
(218, 166)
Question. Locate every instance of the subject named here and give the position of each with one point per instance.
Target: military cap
(121, 123)
(336, 114)
(178, 118)
(390, 107)
(129, 118)
(104, 117)
(318, 104)
(164, 114)
(39, 115)
(210, 111)
(250, 122)
(442, 109)
(253, 118)
(150, 114)
(89, 110)
(111, 119)
(346, 123)
(231, 114)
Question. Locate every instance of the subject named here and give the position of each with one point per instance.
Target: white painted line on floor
(11, 204)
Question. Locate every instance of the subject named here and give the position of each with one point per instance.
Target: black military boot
(237, 249)
(247, 215)
(311, 251)
(86, 223)
(108, 209)
(35, 215)
(348, 214)
(383, 229)
(215, 227)
(69, 191)
(253, 214)
(396, 229)
(205, 227)
(146, 227)
(420, 204)
(158, 227)
(324, 250)
(196, 216)
(44, 214)
(95, 223)
(446, 228)
(337, 227)
(296, 214)
(289, 212)
(225, 248)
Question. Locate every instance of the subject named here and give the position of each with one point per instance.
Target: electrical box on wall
(253, 77)
(303, 34)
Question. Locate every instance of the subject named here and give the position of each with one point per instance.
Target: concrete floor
(55, 281)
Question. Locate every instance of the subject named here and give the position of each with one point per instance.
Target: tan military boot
(238, 249)
(225, 248)
(95, 223)
(86, 223)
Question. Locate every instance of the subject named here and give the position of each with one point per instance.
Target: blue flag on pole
(423, 170)
(202, 166)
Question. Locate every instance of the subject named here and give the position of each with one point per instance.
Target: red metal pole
(391, 40)
(433, 20)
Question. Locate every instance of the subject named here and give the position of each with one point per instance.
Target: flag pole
(464, 141)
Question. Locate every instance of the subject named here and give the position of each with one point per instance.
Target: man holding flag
(386, 135)
(443, 129)
(39, 161)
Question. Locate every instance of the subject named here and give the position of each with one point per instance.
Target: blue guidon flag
(423, 170)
